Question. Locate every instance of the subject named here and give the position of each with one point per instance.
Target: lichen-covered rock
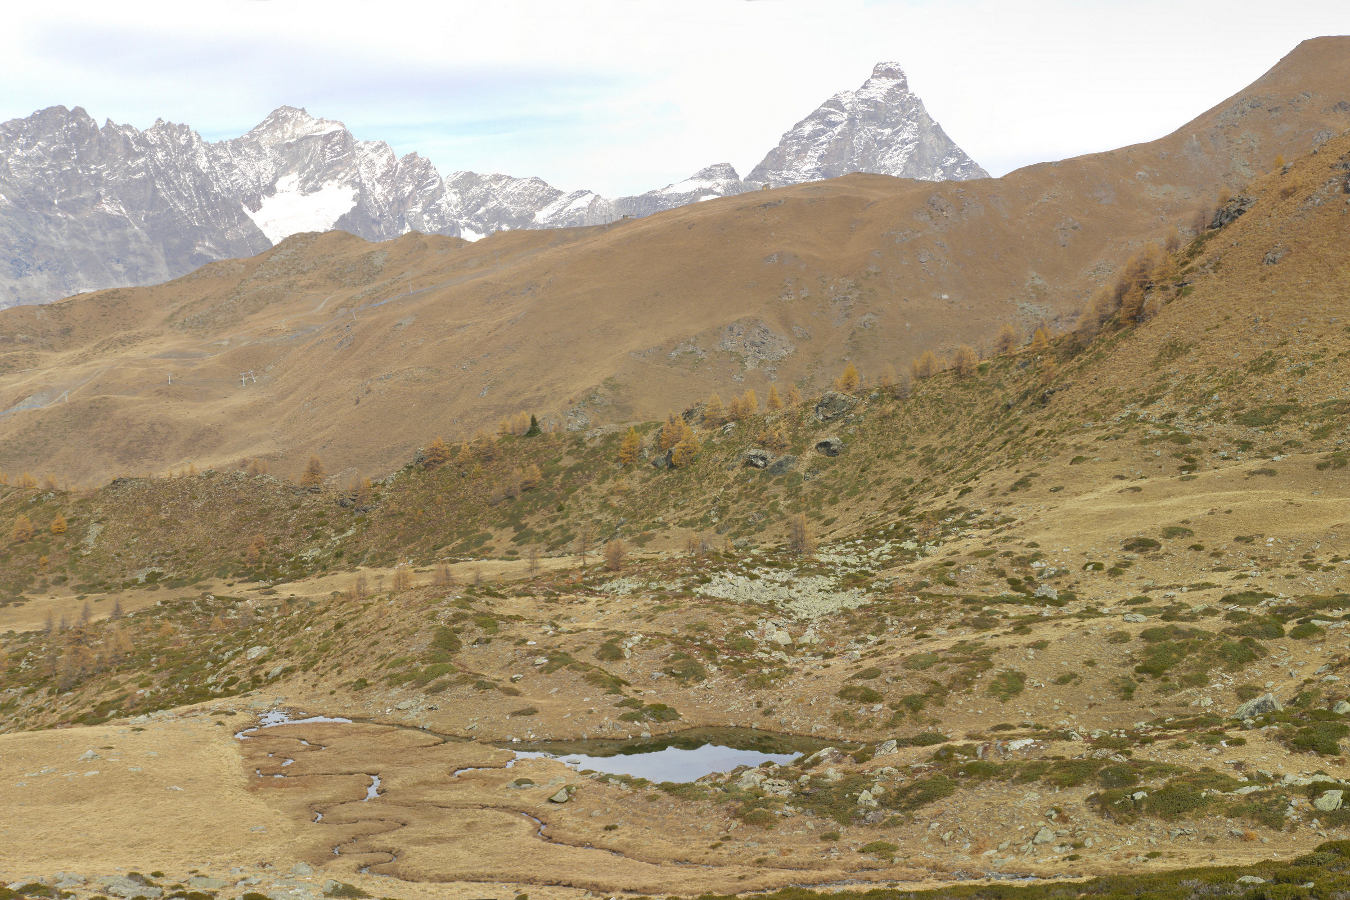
(1258, 706)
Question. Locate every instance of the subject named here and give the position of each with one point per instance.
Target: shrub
(924, 791)
(860, 693)
(1007, 684)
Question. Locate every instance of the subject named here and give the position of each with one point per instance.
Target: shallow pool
(669, 763)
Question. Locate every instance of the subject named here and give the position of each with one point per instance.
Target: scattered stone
(563, 795)
(1329, 801)
(1258, 706)
(832, 405)
(1134, 617)
(1046, 592)
(866, 800)
(255, 651)
(1250, 879)
(1044, 836)
(1342, 708)
(89, 754)
(302, 869)
(885, 748)
(756, 459)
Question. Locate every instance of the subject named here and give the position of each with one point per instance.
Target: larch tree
(58, 525)
(684, 452)
(714, 413)
(926, 366)
(965, 361)
(615, 552)
(671, 432)
(773, 402)
(848, 381)
(1007, 340)
(800, 540)
(629, 447)
(314, 474)
(437, 453)
(1040, 340)
(22, 529)
(794, 398)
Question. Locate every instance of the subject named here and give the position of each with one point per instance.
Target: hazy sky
(621, 97)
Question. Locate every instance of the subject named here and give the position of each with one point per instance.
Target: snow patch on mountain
(290, 211)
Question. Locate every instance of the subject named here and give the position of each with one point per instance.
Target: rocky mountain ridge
(84, 207)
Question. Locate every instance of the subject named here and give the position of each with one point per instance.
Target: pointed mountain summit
(881, 127)
(287, 123)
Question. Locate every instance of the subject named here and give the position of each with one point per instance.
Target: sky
(622, 96)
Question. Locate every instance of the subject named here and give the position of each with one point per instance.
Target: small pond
(681, 757)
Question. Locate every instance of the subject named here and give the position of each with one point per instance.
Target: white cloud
(626, 96)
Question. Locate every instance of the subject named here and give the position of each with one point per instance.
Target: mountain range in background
(362, 352)
(84, 207)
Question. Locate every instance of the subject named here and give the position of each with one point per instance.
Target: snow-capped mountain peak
(881, 127)
(288, 123)
(85, 207)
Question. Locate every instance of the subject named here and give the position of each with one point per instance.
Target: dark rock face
(782, 465)
(1231, 211)
(830, 446)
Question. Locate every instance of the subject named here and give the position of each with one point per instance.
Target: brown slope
(362, 352)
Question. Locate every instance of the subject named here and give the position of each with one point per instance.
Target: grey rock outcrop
(832, 405)
(755, 459)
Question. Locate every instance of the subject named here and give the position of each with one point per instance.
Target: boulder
(1258, 706)
(830, 446)
(832, 405)
(663, 460)
(206, 883)
(781, 465)
(1044, 836)
(1329, 801)
(563, 795)
(121, 886)
(1341, 708)
(750, 780)
(885, 748)
(1134, 617)
(866, 800)
(755, 459)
